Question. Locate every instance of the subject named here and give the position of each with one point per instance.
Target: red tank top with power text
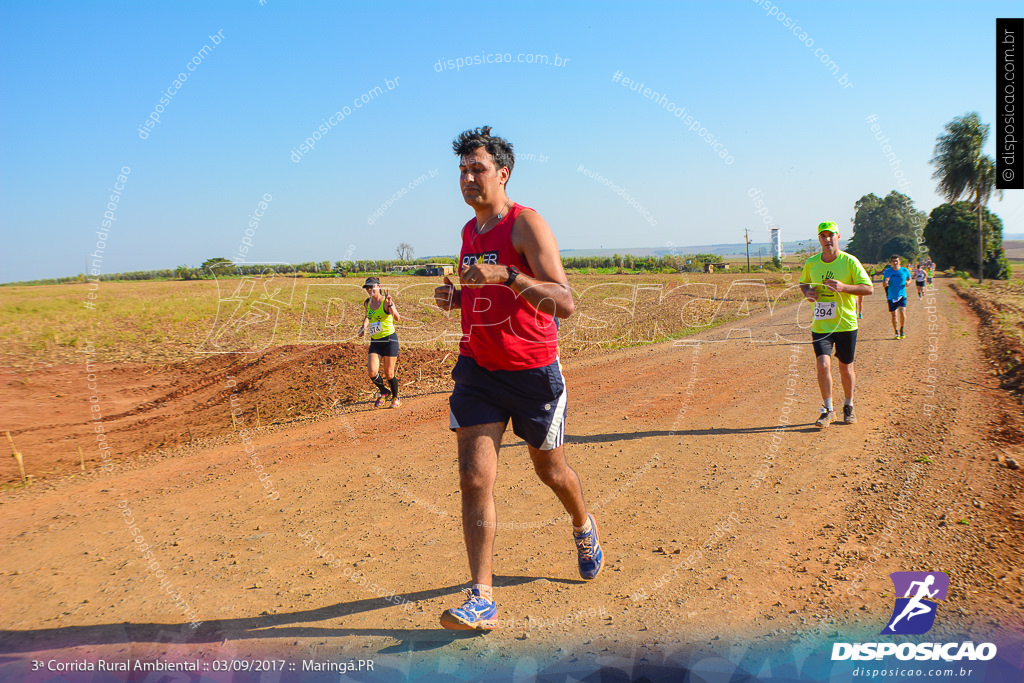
(500, 330)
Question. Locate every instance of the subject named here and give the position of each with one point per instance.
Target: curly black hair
(499, 149)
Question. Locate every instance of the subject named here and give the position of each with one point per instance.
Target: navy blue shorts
(899, 303)
(534, 400)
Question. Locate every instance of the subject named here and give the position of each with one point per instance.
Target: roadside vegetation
(1000, 308)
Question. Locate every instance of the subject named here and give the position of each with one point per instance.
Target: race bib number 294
(824, 310)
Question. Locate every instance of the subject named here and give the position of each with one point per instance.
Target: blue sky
(79, 79)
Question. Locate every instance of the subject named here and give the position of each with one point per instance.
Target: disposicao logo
(914, 614)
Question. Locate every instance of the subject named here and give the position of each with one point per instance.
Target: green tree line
(222, 267)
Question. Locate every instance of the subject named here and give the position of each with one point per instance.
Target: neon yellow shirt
(381, 324)
(834, 312)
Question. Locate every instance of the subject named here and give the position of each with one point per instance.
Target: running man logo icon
(914, 613)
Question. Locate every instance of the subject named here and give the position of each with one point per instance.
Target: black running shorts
(388, 346)
(844, 342)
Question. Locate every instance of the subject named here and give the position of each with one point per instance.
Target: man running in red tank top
(513, 286)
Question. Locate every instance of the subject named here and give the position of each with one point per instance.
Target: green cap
(828, 226)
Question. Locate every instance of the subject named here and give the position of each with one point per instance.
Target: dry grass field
(161, 322)
(1000, 310)
(1014, 249)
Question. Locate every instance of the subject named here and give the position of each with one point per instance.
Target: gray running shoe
(826, 418)
(848, 416)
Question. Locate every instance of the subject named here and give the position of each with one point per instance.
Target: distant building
(711, 266)
(439, 268)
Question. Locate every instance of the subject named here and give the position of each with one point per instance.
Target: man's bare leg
(478, 469)
(554, 471)
(849, 379)
(824, 365)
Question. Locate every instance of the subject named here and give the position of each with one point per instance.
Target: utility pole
(746, 238)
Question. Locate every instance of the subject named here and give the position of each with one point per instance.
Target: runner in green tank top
(379, 321)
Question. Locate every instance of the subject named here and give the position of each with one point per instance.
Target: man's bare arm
(809, 291)
(548, 291)
(855, 290)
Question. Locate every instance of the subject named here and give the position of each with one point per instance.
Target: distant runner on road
(832, 280)
(513, 285)
(379, 321)
(919, 277)
(895, 279)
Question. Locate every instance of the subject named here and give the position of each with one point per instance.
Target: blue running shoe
(588, 547)
(476, 614)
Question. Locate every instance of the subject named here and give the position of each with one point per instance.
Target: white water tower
(776, 242)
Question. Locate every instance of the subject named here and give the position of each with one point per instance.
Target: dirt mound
(136, 407)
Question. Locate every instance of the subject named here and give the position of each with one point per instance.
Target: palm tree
(962, 169)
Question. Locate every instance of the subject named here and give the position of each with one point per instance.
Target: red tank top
(500, 331)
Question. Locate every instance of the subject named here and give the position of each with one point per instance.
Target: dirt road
(726, 518)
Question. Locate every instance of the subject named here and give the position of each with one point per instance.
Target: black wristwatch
(513, 273)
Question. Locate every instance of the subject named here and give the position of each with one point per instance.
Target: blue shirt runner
(898, 280)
